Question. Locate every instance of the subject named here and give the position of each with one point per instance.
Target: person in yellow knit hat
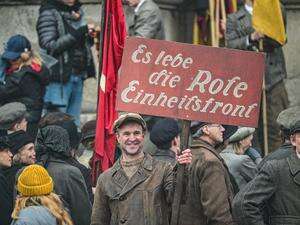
(36, 203)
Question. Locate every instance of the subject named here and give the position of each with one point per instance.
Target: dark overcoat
(277, 188)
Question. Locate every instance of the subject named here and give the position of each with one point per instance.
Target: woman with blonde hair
(37, 204)
(25, 79)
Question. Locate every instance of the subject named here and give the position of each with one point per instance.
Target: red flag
(114, 35)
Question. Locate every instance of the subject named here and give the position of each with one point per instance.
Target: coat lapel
(140, 176)
(294, 164)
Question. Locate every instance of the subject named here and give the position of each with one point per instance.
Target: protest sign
(190, 82)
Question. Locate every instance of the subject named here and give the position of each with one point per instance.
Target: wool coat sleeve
(79, 203)
(5, 202)
(248, 169)
(214, 196)
(169, 182)
(249, 202)
(101, 212)
(49, 36)
(233, 37)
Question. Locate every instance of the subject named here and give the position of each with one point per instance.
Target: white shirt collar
(249, 9)
(298, 154)
(138, 6)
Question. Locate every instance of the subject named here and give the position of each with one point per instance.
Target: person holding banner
(240, 34)
(209, 191)
(137, 189)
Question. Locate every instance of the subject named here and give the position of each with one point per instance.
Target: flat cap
(88, 130)
(4, 143)
(288, 117)
(295, 127)
(129, 117)
(241, 133)
(164, 131)
(229, 131)
(196, 125)
(11, 113)
(19, 139)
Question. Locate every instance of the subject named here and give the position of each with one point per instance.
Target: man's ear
(205, 130)
(292, 139)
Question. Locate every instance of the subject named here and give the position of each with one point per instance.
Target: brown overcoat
(145, 199)
(208, 195)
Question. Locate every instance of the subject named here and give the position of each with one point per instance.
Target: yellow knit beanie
(34, 181)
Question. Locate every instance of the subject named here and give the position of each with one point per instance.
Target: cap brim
(10, 55)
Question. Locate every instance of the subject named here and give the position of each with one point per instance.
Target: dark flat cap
(196, 125)
(4, 143)
(229, 131)
(129, 117)
(11, 113)
(19, 139)
(164, 131)
(88, 130)
(295, 127)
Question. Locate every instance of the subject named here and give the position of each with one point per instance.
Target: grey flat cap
(11, 113)
(241, 133)
(288, 117)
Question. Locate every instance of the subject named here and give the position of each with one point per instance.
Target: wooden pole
(217, 23)
(264, 108)
(212, 23)
(184, 140)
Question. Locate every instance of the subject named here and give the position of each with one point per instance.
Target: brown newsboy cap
(129, 117)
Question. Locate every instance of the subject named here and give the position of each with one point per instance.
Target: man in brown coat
(208, 196)
(138, 189)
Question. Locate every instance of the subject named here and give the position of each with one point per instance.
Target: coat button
(123, 220)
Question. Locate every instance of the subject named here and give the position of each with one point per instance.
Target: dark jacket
(10, 174)
(86, 173)
(277, 187)
(238, 29)
(284, 151)
(65, 39)
(53, 151)
(209, 191)
(143, 199)
(166, 155)
(28, 87)
(6, 204)
(147, 22)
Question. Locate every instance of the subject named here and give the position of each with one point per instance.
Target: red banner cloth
(113, 44)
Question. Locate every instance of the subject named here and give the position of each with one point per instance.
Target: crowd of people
(45, 174)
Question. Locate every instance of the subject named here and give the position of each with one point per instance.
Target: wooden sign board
(190, 82)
